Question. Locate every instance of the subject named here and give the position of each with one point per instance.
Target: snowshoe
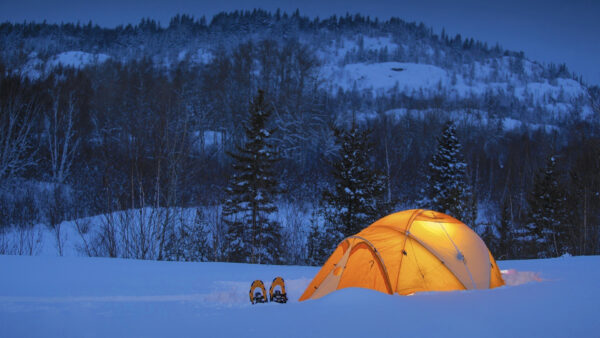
(277, 291)
(260, 296)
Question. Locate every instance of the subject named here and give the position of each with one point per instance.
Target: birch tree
(62, 139)
(16, 121)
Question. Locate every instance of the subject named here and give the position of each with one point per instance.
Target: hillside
(96, 297)
(349, 53)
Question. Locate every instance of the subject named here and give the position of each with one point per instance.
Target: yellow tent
(407, 252)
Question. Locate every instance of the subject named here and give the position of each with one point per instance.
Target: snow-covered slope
(97, 297)
(381, 77)
(429, 80)
(35, 68)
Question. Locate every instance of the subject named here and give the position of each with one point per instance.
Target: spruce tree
(190, 243)
(546, 232)
(198, 245)
(357, 198)
(447, 188)
(174, 249)
(253, 236)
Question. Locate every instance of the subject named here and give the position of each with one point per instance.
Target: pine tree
(356, 200)
(174, 250)
(190, 243)
(198, 244)
(546, 232)
(447, 188)
(253, 236)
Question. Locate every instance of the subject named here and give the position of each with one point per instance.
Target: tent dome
(408, 252)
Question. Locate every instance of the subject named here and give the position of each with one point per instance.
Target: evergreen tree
(546, 232)
(174, 250)
(357, 198)
(447, 188)
(253, 236)
(199, 248)
(190, 243)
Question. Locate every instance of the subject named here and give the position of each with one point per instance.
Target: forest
(222, 140)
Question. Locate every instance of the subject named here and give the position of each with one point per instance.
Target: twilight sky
(546, 30)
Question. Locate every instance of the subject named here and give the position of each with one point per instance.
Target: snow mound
(513, 277)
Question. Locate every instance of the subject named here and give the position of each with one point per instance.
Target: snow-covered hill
(350, 54)
(98, 297)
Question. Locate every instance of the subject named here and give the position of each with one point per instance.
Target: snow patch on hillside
(35, 68)
(381, 77)
(201, 56)
(555, 98)
(77, 59)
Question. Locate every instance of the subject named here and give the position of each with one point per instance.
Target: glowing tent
(407, 252)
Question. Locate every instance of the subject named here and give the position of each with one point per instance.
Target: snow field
(100, 297)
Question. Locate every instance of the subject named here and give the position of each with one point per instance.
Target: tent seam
(381, 261)
(428, 248)
(414, 215)
(461, 254)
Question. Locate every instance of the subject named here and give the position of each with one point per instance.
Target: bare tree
(294, 233)
(83, 229)
(28, 240)
(16, 121)
(62, 138)
(25, 239)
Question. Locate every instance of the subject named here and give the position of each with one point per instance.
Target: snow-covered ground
(101, 297)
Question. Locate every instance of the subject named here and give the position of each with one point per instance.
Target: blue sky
(549, 31)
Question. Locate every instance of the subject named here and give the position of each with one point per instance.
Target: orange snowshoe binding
(260, 296)
(277, 291)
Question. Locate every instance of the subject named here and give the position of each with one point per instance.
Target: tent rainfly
(408, 252)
